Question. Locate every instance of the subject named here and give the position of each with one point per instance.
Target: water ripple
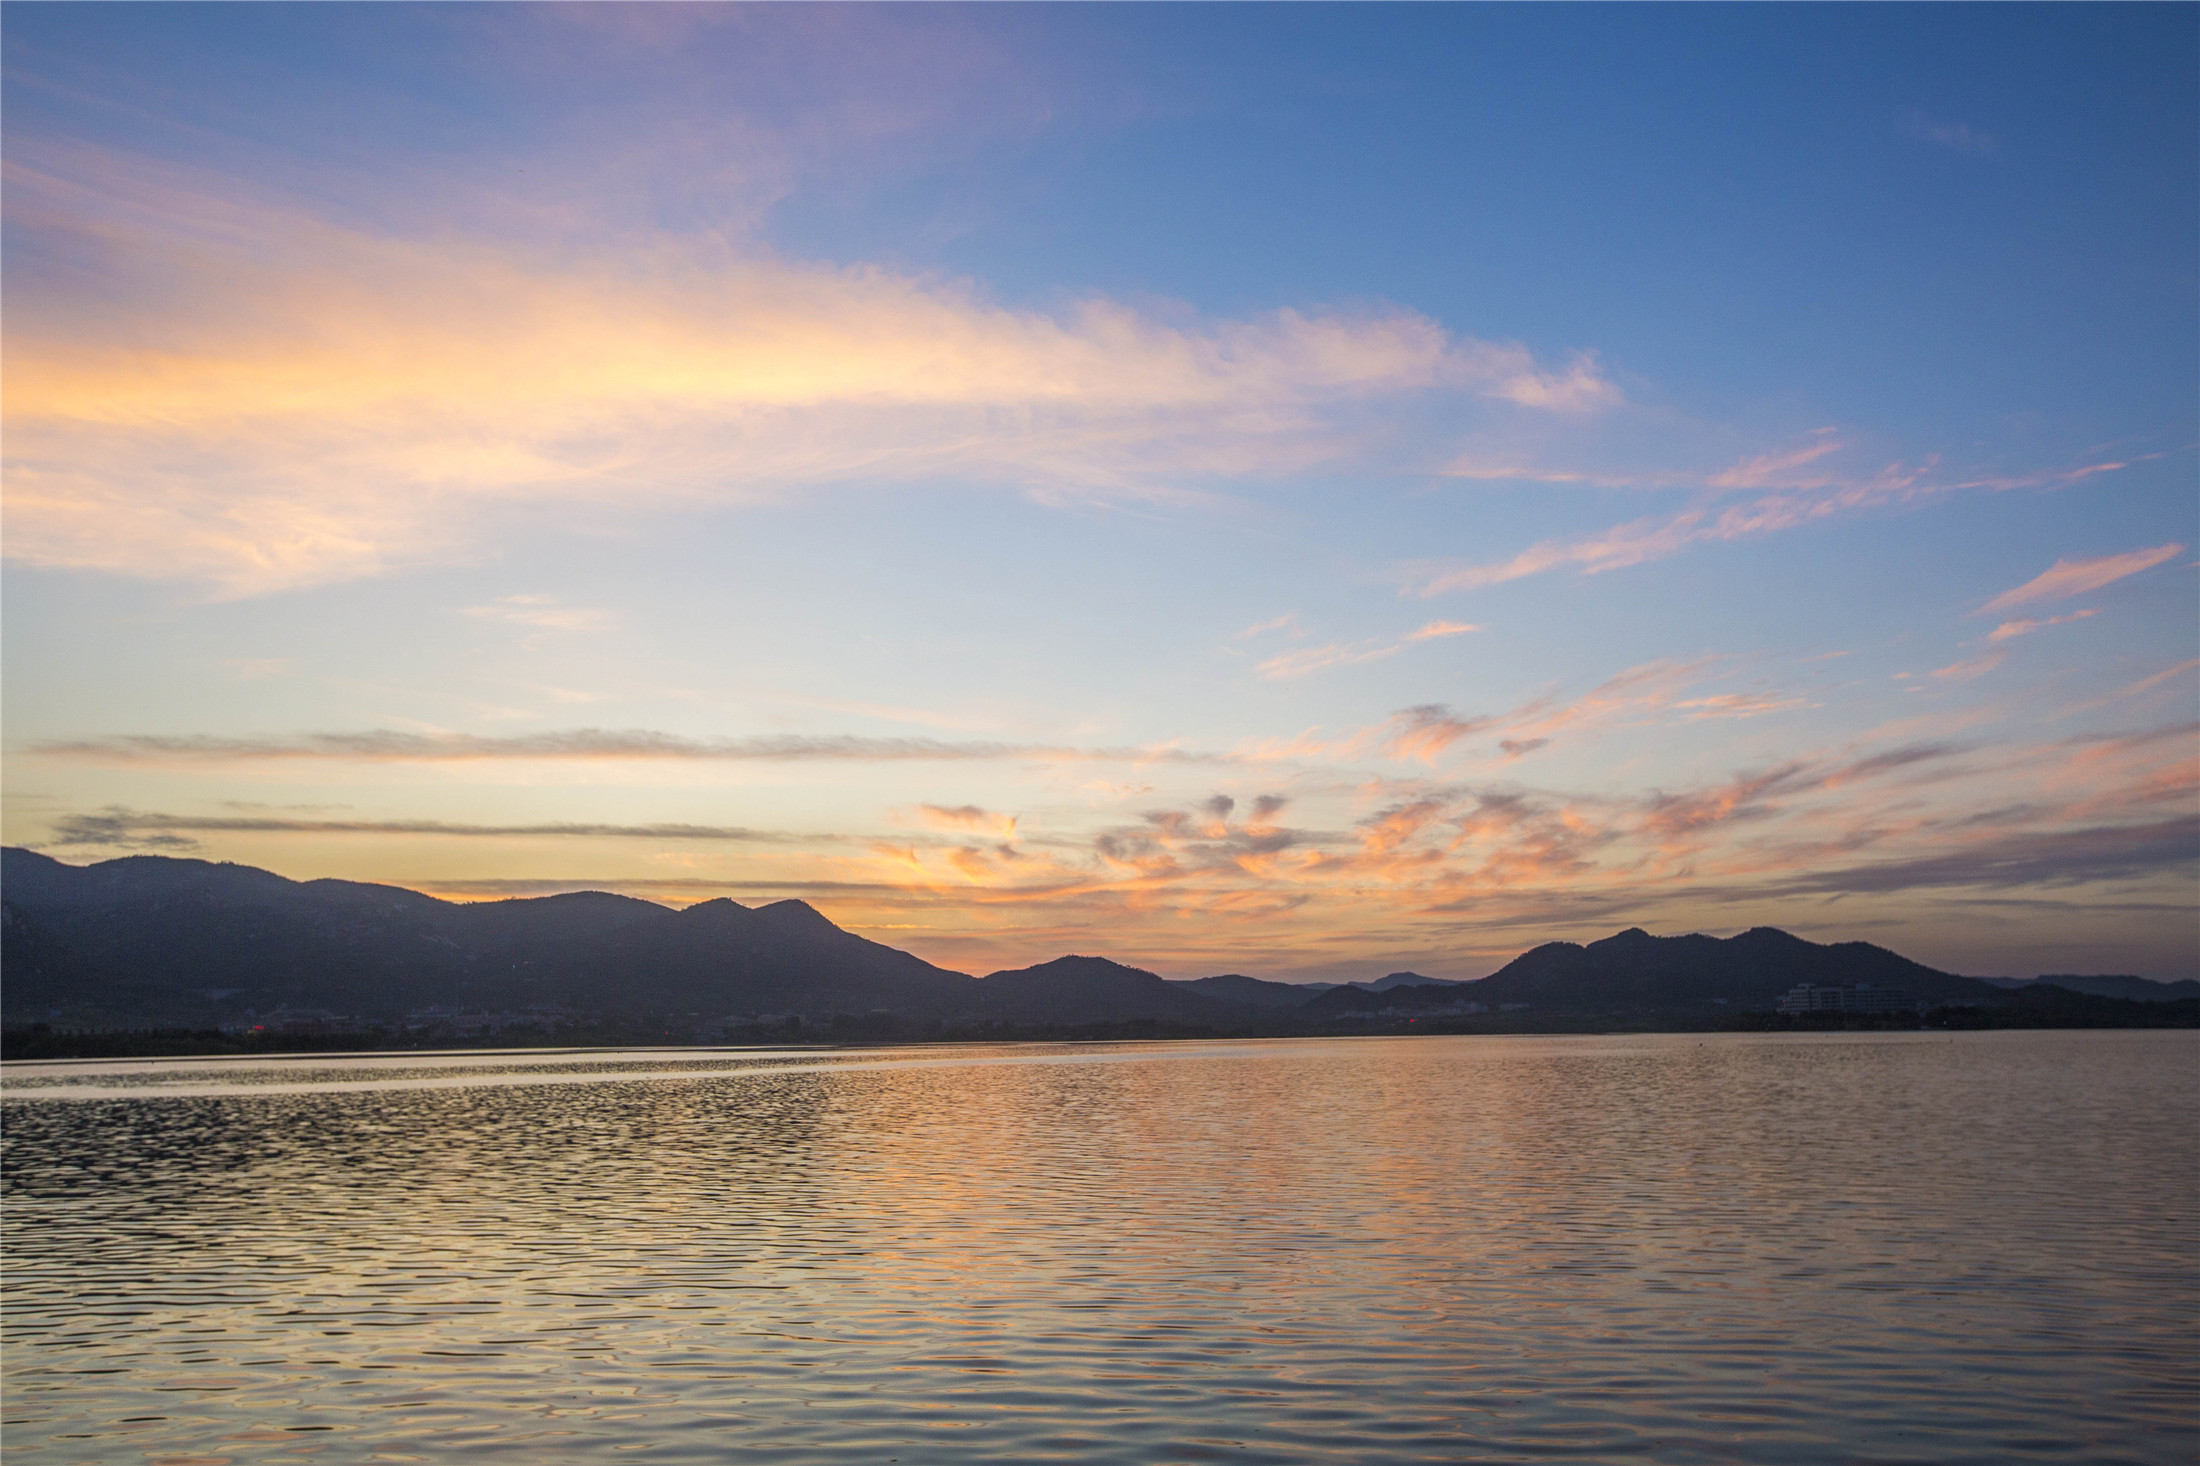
(1873, 1248)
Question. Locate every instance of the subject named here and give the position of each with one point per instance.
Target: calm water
(1917, 1247)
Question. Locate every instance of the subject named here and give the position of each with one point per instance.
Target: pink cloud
(1424, 733)
(1616, 548)
(1443, 628)
(1305, 660)
(1581, 387)
(540, 612)
(2076, 577)
(1316, 658)
(1793, 492)
(1964, 671)
(1776, 470)
(2009, 629)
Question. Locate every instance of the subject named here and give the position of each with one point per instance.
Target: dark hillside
(719, 958)
(1254, 992)
(1413, 999)
(1636, 972)
(2118, 985)
(1086, 989)
(150, 940)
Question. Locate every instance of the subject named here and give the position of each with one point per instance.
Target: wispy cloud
(2076, 577)
(1435, 629)
(1969, 668)
(2047, 858)
(2009, 629)
(2148, 684)
(972, 818)
(1822, 824)
(1614, 549)
(386, 745)
(119, 828)
(1313, 866)
(2138, 688)
(541, 613)
(1649, 692)
(1737, 705)
(1667, 691)
(292, 400)
(1793, 488)
(1780, 470)
(1960, 137)
(1305, 660)
(1655, 537)
(1580, 386)
(1431, 731)
(1889, 760)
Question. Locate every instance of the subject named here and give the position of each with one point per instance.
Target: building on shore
(1863, 998)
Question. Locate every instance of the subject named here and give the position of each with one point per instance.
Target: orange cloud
(964, 817)
(1369, 867)
(289, 400)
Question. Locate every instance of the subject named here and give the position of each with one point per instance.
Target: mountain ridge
(158, 940)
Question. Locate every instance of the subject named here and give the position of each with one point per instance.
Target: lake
(1914, 1247)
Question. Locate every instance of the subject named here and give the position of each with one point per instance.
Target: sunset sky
(1300, 491)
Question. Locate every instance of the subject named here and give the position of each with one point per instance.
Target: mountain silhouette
(2109, 985)
(1254, 992)
(157, 941)
(1096, 990)
(152, 939)
(1403, 980)
(1633, 971)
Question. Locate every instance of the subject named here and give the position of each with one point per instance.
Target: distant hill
(719, 958)
(1254, 992)
(2138, 989)
(1422, 999)
(1634, 972)
(1402, 979)
(1094, 989)
(2045, 1005)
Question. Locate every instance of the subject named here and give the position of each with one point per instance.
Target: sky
(1306, 491)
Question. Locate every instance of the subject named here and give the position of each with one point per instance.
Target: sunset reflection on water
(1678, 1248)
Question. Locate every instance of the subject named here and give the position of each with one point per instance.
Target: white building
(1863, 998)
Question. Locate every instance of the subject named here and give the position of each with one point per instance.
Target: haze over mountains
(156, 941)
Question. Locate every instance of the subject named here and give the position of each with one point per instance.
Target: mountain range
(155, 941)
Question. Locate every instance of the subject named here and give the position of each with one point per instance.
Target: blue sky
(1300, 490)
